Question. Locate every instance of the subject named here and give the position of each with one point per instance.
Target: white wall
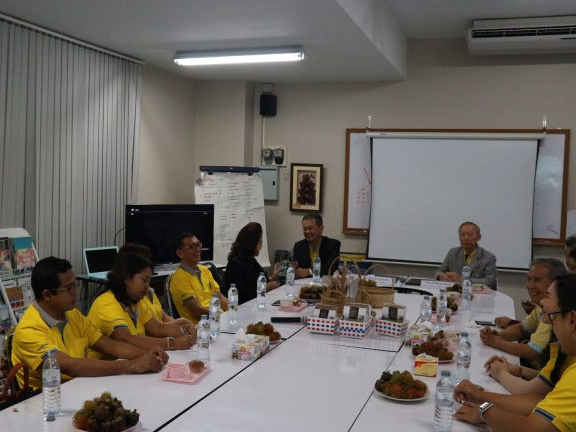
(167, 165)
(224, 119)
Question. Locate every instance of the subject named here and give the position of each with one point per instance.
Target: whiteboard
(238, 198)
(549, 223)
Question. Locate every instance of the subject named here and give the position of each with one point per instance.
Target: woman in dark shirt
(243, 269)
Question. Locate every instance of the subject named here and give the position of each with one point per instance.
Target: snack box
(418, 334)
(358, 312)
(321, 325)
(250, 349)
(425, 365)
(393, 312)
(391, 328)
(353, 329)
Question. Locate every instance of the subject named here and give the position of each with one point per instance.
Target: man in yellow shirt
(542, 273)
(554, 412)
(192, 284)
(53, 323)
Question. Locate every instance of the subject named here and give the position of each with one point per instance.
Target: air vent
(548, 35)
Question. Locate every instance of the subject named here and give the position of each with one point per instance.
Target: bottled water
(203, 341)
(465, 273)
(233, 305)
(51, 387)
(444, 403)
(463, 358)
(316, 266)
(426, 308)
(441, 306)
(290, 281)
(214, 312)
(282, 270)
(261, 291)
(466, 305)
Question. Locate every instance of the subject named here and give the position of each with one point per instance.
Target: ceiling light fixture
(239, 56)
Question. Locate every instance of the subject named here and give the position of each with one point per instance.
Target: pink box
(391, 328)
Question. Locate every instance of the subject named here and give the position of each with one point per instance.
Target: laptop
(99, 261)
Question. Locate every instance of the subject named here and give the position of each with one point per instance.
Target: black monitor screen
(157, 225)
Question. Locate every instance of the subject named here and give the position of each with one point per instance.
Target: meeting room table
(307, 382)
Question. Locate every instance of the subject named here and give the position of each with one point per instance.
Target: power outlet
(274, 156)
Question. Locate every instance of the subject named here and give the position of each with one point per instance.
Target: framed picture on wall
(306, 187)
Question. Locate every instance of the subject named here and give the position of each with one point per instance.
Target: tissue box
(252, 348)
(425, 365)
(391, 328)
(321, 325)
(353, 329)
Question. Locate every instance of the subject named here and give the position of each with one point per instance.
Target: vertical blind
(69, 123)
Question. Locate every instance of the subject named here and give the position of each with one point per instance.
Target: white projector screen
(424, 188)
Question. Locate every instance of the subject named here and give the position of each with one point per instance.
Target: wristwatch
(482, 408)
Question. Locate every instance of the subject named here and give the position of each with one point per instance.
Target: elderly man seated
(482, 263)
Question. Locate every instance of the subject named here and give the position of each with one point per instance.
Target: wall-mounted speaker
(267, 105)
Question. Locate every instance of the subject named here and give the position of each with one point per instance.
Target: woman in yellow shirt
(120, 311)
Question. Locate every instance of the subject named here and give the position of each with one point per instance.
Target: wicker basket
(376, 296)
(340, 281)
(335, 298)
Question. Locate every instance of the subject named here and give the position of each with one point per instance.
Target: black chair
(172, 311)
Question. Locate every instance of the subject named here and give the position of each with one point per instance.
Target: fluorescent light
(239, 56)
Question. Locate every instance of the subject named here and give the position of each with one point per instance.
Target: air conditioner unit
(547, 35)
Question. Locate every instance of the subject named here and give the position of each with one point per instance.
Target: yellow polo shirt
(34, 338)
(154, 306)
(540, 332)
(185, 285)
(108, 315)
(558, 406)
(546, 373)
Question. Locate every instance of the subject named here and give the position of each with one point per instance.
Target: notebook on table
(99, 261)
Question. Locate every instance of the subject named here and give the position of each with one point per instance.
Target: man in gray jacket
(481, 262)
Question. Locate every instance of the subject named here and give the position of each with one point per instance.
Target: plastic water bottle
(282, 270)
(444, 403)
(466, 305)
(426, 308)
(441, 306)
(214, 311)
(465, 273)
(316, 266)
(290, 281)
(232, 305)
(203, 341)
(51, 387)
(463, 358)
(261, 291)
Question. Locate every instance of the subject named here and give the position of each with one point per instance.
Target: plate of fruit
(311, 293)
(437, 346)
(105, 413)
(264, 330)
(401, 386)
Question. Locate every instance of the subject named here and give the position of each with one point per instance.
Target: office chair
(172, 311)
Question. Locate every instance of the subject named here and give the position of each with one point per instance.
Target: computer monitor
(157, 225)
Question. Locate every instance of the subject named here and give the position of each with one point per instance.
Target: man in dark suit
(314, 243)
